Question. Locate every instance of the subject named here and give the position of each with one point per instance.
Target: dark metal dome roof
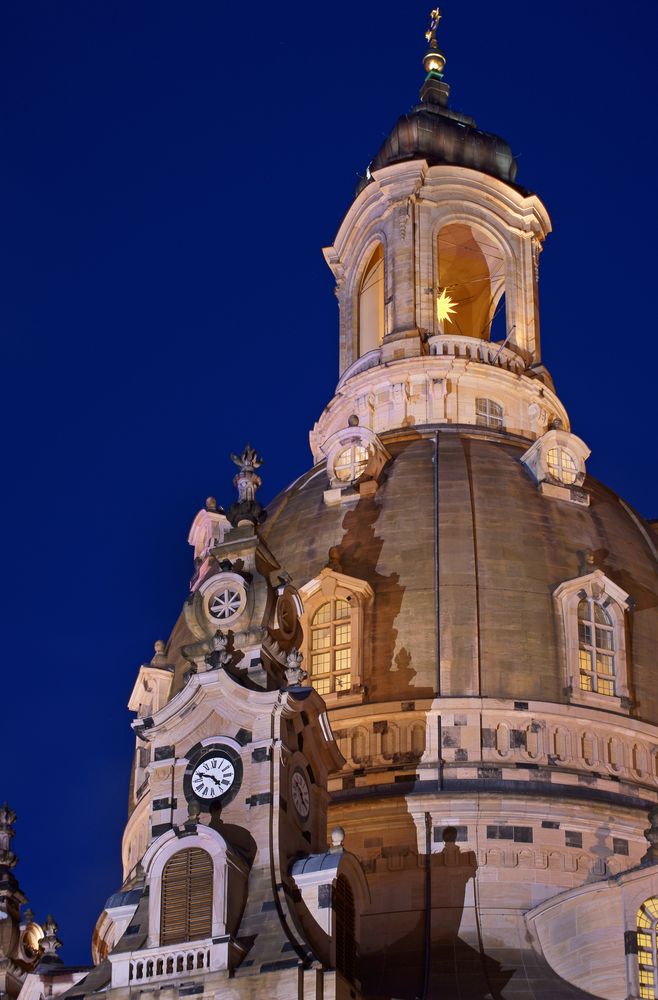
(434, 132)
(442, 137)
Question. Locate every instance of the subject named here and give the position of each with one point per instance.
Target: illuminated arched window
(371, 303)
(593, 612)
(562, 466)
(331, 647)
(471, 282)
(186, 907)
(488, 414)
(596, 647)
(345, 929)
(647, 961)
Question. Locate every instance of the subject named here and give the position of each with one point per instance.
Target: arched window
(186, 909)
(336, 610)
(331, 647)
(488, 414)
(345, 929)
(596, 647)
(371, 303)
(593, 616)
(471, 281)
(647, 961)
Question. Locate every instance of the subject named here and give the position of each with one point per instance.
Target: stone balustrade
(155, 964)
(488, 353)
(447, 386)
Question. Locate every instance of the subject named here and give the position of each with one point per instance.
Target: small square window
(488, 414)
(461, 838)
(620, 846)
(500, 832)
(523, 835)
(572, 838)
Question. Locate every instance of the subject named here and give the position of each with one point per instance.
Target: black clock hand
(212, 776)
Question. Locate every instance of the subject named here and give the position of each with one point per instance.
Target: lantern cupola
(436, 267)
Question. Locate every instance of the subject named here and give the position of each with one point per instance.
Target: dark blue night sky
(169, 174)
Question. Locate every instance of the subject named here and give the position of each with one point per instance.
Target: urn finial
(295, 675)
(50, 943)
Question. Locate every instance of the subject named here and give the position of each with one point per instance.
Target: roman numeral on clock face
(213, 777)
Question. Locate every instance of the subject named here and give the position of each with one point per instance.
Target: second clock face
(301, 796)
(213, 777)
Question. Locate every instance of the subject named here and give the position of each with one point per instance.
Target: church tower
(402, 741)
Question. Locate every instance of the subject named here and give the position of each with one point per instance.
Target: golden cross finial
(430, 35)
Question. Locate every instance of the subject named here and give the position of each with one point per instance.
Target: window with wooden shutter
(186, 910)
(345, 928)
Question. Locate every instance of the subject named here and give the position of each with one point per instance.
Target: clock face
(213, 777)
(301, 796)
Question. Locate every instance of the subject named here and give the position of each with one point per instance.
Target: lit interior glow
(596, 648)
(351, 463)
(647, 918)
(562, 466)
(472, 266)
(331, 653)
(371, 303)
(445, 306)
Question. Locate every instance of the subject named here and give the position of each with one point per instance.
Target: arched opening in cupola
(371, 303)
(470, 298)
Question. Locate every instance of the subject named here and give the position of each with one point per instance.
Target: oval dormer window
(562, 466)
(350, 463)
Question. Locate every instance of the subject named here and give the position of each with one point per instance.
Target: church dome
(464, 556)
(443, 632)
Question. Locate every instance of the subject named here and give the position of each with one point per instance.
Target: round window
(224, 599)
(562, 466)
(224, 604)
(350, 463)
